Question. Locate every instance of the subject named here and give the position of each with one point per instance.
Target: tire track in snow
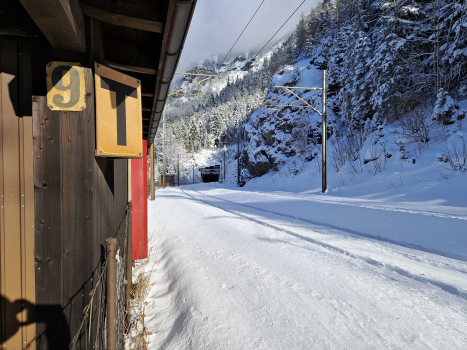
(357, 203)
(450, 289)
(377, 207)
(344, 229)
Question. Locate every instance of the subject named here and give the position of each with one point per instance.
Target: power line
(279, 29)
(242, 31)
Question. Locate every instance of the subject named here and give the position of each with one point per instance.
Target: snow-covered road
(233, 269)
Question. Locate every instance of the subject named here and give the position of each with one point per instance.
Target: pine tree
(300, 37)
(447, 110)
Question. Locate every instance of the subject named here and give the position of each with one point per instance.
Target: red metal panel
(139, 190)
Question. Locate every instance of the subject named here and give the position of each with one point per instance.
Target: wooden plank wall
(80, 201)
(17, 197)
(48, 223)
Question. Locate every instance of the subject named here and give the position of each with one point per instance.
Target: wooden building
(60, 200)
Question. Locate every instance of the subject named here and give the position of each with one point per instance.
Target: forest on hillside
(387, 61)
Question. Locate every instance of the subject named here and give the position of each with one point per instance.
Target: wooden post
(152, 173)
(324, 135)
(111, 247)
(178, 170)
(129, 272)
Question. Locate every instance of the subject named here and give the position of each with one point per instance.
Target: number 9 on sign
(66, 89)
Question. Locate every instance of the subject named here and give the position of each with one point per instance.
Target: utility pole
(323, 114)
(220, 170)
(163, 153)
(238, 156)
(151, 150)
(178, 170)
(193, 156)
(325, 133)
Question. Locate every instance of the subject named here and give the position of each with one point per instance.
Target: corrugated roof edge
(182, 13)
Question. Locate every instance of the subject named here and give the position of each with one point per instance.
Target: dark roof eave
(177, 29)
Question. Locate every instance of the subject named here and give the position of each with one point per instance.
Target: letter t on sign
(121, 91)
(119, 124)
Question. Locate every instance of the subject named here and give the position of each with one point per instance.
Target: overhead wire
(243, 31)
(269, 39)
(279, 29)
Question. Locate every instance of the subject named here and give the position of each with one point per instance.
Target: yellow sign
(119, 124)
(66, 89)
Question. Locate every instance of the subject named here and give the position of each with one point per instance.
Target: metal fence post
(111, 248)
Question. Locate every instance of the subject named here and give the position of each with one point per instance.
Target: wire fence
(92, 333)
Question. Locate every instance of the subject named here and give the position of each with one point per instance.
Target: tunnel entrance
(210, 173)
(210, 178)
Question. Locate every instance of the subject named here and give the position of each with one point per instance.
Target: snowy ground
(242, 268)
(377, 262)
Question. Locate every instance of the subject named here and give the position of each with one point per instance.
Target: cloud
(216, 24)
